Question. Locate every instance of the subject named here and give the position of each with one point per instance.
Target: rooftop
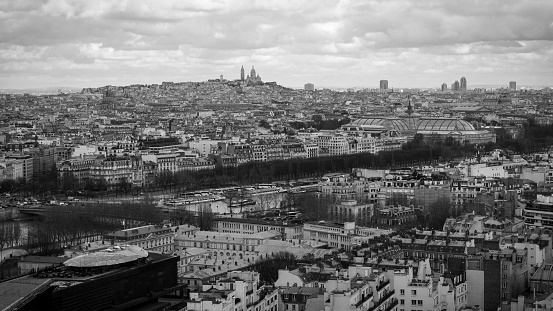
(257, 221)
(138, 231)
(111, 256)
(16, 290)
(43, 259)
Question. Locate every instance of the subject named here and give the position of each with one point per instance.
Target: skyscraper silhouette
(463, 84)
(512, 86)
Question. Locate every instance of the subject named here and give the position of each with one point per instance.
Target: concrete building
(463, 85)
(396, 216)
(112, 171)
(309, 87)
(229, 244)
(360, 288)
(250, 226)
(383, 84)
(340, 235)
(350, 210)
(512, 86)
(30, 264)
(27, 164)
(455, 86)
(151, 237)
(496, 277)
(302, 298)
(113, 279)
(347, 187)
(539, 214)
(238, 290)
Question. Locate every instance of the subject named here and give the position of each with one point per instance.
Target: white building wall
(475, 284)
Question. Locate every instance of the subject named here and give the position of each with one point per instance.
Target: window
(402, 291)
(420, 302)
(413, 292)
(402, 301)
(504, 285)
(413, 302)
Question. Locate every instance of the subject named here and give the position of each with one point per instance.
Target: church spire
(409, 107)
(242, 73)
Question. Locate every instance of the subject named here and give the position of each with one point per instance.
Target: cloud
(412, 43)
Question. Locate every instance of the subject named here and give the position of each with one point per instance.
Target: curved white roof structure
(108, 257)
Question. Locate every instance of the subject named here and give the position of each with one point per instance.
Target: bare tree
(8, 233)
(310, 205)
(438, 212)
(3, 241)
(204, 219)
(16, 238)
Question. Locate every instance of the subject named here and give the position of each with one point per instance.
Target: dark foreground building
(127, 278)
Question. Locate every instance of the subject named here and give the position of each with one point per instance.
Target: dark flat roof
(15, 291)
(44, 259)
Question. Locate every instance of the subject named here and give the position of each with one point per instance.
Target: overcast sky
(413, 43)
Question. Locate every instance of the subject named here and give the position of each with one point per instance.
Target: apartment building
(464, 191)
(250, 226)
(347, 187)
(26, 164)
(113, 171)
(351, 210)
(539, 214)
(340, 235)
(229, 244)
(396, 216)
(151, 238)
(496, 277)
(237, 291)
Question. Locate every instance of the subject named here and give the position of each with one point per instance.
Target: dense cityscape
(245, 155)
(239, 194)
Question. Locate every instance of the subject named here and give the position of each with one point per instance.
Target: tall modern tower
(512, 86)
(455, 86)
(309, 87)
(383, 84)
(463, 84)
(444, 87)
(242, 76)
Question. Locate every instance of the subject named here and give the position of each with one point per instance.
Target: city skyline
(335, 44)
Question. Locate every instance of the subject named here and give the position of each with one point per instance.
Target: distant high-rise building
(463, 84)
(455, 86)
(309, 87)
(242, 76)
(512, 86)
(383, 84)
(444, 87)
